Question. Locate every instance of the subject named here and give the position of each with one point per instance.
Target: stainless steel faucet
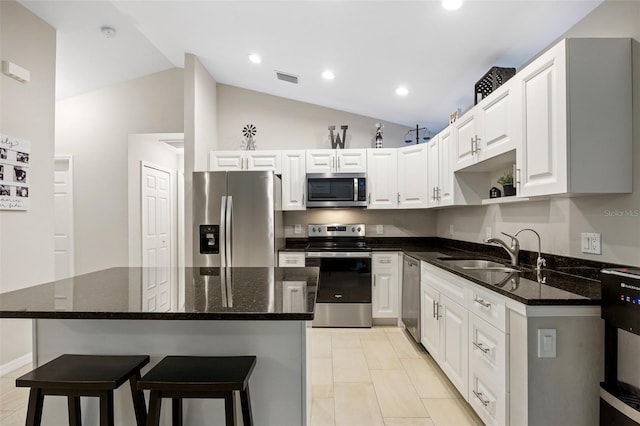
(513, 249)
(540, 262)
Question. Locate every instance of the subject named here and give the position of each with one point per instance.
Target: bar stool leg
(230, 409)
(106, 408)
(75, 416)
(34, 410)
(176, 411)
(155, 403)
(138, 400)
(245, 401)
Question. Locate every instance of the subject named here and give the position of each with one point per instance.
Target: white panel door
(412, 177)
(221, 161)
(445, 168)
(429, 320)
(156, 239)
(293, 180)
(320, 161)
(63, 218)
(382, 178)
(264, 160)
(433, 171)
(466, 133)
(497, 123)
(454, 355)
(384, 296)
(351, 160)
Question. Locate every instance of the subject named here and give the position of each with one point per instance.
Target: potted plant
(506, 180)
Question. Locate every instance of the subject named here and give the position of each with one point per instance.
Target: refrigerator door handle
(223, 231)
(229, 229)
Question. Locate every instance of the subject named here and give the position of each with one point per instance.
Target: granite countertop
(560, 286)
(522, 286)
(119, 293)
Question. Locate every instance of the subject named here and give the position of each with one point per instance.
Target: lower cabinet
(456, 331)
(385, 285)
(291, 259)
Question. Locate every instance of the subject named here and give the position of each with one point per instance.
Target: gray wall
(27, 112)
(560, 221)
(94, 129)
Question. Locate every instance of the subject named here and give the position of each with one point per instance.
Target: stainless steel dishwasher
(411, 296)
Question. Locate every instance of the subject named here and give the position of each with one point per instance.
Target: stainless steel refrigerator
(237, 219)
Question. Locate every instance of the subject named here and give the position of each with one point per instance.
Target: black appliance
(344, 287)
(620, 391)
(336, 190)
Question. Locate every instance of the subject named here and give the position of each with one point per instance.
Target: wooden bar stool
(179, 377)
(74, 376)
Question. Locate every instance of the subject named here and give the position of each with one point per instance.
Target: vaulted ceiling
(372, 47)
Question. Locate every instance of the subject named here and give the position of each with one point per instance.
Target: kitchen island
(265, 312)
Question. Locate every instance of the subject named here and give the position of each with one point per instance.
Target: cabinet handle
(398, 198)
(438, 316)
(479, 346)
(434, 309)
(482, 302)
(438, 193)
(338, 163)
(369, 199)
(384, 261)
(374, 280)
(303, 194)
(433, 193)
(518, 179)
(479, 396)
(291, 261)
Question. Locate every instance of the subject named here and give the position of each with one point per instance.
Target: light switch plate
(590, 243)
(547, 343)
(297, 228)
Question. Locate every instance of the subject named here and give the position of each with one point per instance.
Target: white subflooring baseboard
(15, 364)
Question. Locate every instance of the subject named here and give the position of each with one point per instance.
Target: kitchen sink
(477, 264)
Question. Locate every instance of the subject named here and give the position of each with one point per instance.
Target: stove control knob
(313, 229)
(359, 229)
(353, 229)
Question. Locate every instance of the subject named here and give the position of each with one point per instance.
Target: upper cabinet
(336, 161)
(488, 129)
(245, 160)
(293, 180)
(382, 179)
(413, 189)
(441, 178)
(576, 119)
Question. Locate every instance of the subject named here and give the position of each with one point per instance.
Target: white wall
(27, 112)
(150, 149)
(560, 221)
(94, 128)
(287, 124)
(200, 132)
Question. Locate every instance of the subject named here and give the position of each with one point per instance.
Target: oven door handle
(349, 254)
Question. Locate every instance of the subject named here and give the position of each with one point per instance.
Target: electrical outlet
(297, 228)
(379, 229)
(451, 229)
(590, 243)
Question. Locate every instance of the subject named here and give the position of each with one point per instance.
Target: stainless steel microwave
(336, 190)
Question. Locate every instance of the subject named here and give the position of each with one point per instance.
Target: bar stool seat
(74, 376)
(179, 377)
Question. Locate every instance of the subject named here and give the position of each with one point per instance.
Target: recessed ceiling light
(402, 91)
(255, 58)
(108, 32)
(452, 4)
(328, 75)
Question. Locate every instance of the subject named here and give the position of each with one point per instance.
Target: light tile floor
(360, 377)
(378, 376)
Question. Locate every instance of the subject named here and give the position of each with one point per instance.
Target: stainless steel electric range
(344, 287)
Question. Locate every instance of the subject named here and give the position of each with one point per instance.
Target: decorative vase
(509, 190)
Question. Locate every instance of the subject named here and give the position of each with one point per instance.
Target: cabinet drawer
(488, 352)
(446, 283)
(487, 400)
(489, 306)
(291, 260)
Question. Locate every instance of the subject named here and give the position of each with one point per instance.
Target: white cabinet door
(433, 167)
(293, 180)
(382, 179)
(446, 175)
(498, 116)
(454, 354)
(429, 319)
(336, 161)
(384, 296)
(320, 161)
(542, 157)
(264, 160)
(412, 177)
(226, 160)
(466, 136)
(351, 160)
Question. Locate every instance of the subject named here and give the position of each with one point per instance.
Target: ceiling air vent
(287, 77)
